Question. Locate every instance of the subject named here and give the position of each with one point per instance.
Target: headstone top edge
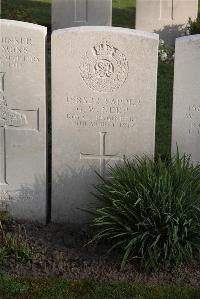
(187, 39)
(20, 24)
(127, 31)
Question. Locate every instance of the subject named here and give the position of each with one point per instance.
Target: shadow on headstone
(170, 32)
(66, 208)
(26, 203)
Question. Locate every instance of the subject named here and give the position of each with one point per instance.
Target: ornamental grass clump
(193, 26)
(150, 210)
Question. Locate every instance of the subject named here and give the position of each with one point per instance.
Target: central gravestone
(23, 120)
(104, 105)
(71, 13)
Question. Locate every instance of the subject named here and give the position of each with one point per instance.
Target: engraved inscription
(166, 9)
(81, 9)
(104, 68)
(16, 52)
(102, 157)
(193, 116)
(102, 112)
(8, 196)
(8, 119)
(4, 196)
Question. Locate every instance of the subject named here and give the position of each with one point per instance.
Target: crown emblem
(103, 49)
(104, 68)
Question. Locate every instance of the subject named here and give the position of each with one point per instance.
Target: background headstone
(104, 105)
(166, 17)
(186, 105)
(72, 13)
(23, 119)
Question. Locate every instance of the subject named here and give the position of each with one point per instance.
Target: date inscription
(102, 112)
(193, 116)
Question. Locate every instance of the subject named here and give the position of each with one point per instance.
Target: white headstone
(23, 119)
(186, 106)
(104, 105)
(166, 17)
(71, 13)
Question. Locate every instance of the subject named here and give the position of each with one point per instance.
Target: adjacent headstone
(23, 119)
(166, 17)
(71, 13)
(104, 106)
(186, 106)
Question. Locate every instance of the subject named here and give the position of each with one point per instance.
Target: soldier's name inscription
(102, 111)
(17, 51)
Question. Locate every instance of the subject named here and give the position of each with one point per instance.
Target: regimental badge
(104, 68)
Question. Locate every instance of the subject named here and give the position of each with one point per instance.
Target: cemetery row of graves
(104, 83)
(168, 18)
(98, 142)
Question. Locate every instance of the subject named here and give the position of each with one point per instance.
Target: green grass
(35, 11)
(146, 210)
(124, 13)
(164, 108)
(30, 288)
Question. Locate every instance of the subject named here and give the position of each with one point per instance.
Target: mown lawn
(35, 11)
(32, 288)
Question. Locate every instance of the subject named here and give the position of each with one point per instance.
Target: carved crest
(104, 68)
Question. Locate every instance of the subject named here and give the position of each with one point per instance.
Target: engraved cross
(102, 157)
(10, 119)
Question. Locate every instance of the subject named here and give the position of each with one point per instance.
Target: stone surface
(104, 102)
(23, 119)
(186, 105)
(166, 17)
(72, 13)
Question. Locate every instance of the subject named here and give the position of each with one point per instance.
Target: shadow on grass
(164, 108)
(124, 17)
